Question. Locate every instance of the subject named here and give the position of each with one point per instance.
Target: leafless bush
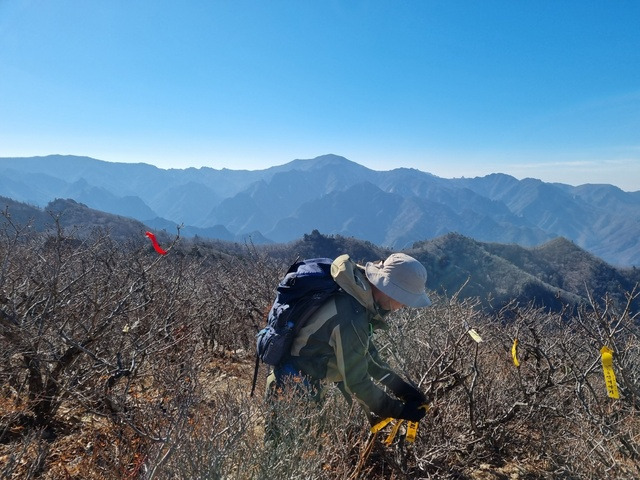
(240, 291)
(116, 362)
(93, 331)
(550, 416)
(226, 439)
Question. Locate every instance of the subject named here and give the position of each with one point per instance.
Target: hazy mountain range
(333, 195)
(555, 274)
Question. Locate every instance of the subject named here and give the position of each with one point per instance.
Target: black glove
(405, 391)
(413, 411)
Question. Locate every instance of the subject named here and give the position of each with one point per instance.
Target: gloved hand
(409, 393)
(405, 391)
(413, 411)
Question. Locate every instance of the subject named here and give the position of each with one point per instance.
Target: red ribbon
(156, 245)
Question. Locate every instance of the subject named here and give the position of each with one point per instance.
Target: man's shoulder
(349, 308)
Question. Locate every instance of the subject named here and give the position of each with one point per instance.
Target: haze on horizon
(547, 89)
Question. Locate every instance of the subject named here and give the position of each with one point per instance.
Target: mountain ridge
(555, 275)
(397, 208)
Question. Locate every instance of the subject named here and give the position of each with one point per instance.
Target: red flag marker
(156, 245)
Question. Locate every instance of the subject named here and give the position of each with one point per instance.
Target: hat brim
(382, 283)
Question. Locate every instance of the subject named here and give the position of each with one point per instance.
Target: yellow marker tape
(514, 353)
(393, 433)
(609, 376)
(475, 335)
(412, 427)
(380, 425)
(412, 430)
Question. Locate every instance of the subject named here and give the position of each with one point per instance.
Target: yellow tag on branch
(393, 433)
(475, 335)
(514, 353)
(380, 425)
(412, 427)
(609, 375)
(412, 430)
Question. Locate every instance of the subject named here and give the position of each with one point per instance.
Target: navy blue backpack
(306, 286)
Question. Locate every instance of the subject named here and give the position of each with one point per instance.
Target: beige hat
(402, 278)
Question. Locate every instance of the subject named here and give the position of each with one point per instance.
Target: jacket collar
(351, 278)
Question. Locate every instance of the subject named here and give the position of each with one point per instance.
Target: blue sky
(543, 89)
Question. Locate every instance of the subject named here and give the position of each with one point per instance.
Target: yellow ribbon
(412, 431)
(514, 353)
(609, 375)
(475, 335)
(393, 433)
(380, 425)
(412, 428)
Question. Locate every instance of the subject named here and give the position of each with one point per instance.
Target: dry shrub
(118, 363)
(549, 417)
(103, 343)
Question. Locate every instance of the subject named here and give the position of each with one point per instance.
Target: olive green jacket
(335, 344)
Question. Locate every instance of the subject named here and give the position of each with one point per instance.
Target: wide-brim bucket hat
(402, 278)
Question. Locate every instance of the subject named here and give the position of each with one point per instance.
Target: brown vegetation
(118, 363)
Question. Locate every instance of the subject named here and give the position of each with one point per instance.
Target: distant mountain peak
(331, 158)
(323, 161)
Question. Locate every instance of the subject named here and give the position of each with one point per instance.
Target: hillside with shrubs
(120, 363)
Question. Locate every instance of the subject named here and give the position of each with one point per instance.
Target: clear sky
(547, 89)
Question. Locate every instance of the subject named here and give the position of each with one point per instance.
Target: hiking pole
(255, 376)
